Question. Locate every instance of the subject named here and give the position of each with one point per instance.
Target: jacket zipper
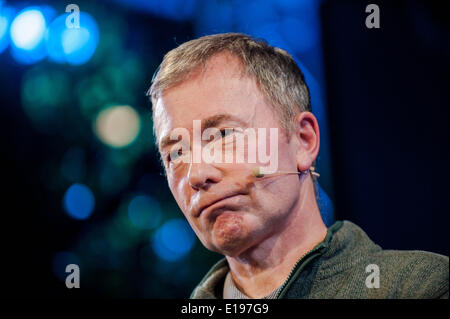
(294, 269)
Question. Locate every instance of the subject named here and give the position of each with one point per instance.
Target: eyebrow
(208, 122)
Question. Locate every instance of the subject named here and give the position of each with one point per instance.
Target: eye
(174, 155)
(226, 132)
(219, 135)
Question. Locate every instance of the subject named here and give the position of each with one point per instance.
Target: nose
(203, 175)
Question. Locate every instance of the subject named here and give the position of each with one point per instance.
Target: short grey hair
(275, 71)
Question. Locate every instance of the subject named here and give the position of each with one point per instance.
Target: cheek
(277, 194)
(286, 155)
(182, 197)
(179, 191)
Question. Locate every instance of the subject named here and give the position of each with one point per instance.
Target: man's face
(228, 208)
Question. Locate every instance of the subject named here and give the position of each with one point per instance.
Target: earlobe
(308, 137)
(304, 161)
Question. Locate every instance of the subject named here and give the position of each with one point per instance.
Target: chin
(229, 234)
(229, 245)
(230, 250)
(225, 245)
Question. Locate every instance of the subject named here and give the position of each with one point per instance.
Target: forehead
(220, 88)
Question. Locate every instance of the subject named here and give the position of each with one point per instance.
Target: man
(268, 224)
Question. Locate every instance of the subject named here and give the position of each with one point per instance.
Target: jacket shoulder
(414, 274)
(355, 267)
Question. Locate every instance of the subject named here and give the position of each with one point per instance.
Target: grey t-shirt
(230, 291)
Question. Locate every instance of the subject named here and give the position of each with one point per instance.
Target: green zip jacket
(345, 265)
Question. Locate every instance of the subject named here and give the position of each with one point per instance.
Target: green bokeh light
(45, 92)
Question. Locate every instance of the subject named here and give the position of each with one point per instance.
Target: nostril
(199, 184)
(202, 176)
(195, 186)
(208, 184)
(202, 185)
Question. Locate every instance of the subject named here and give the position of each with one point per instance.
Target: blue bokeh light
(79, 201)
(300, 34)
(53, 38)
(144, 212)
(172, 9)
(270, 33)
(27, 32)
(72, 45)
(6, 14)
(220, 21)
(28, 57)
(27, 29)
(303, 7)
(173, 240)
(254, 12)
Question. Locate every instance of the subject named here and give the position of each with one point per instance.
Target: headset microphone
(258, 174)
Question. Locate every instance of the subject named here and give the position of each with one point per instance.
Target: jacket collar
(212, 283)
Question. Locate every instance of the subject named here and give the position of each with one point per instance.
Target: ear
(308, 136)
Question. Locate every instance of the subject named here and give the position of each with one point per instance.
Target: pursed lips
(214, 202)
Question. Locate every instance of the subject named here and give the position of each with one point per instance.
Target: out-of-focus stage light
(144, 212)
(27, 29)
(27, 33)
(118, 126)
(172, 9)
(173, 240)
(3, 29)
(6, 15)
(72, 45)
(45, 95)
(113, 177)
(73, 166)
(79, 201)
(301, 34)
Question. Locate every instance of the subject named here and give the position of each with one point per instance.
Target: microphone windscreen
(256, 172)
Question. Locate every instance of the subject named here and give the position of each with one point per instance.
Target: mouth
(216, 203)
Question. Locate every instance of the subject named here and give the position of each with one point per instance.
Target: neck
(264, 267)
